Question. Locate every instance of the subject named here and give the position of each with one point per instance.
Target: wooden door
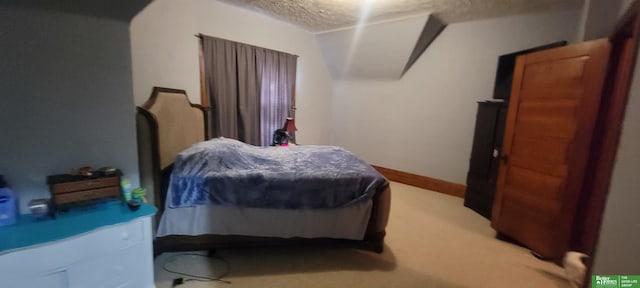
(550, 122)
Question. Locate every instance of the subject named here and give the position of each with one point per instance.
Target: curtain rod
(199, 36)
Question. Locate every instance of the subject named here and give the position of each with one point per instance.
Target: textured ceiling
(323, 15)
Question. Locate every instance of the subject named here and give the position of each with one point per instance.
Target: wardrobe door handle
(504, 158)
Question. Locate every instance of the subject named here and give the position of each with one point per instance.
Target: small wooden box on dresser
(69, 190)
(485, 156)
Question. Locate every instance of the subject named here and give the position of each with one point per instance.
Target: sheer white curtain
(277, 92)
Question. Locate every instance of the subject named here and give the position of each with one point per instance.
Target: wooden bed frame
(166, 125)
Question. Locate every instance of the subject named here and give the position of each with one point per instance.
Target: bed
(172, 140)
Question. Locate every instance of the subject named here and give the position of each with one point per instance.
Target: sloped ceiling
(324, 15)
(377, 51)
(382, 51)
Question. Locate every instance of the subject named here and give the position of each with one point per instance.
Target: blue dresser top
(28, 232)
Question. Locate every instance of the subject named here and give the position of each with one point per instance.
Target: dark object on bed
(168, 124)
(279, 137)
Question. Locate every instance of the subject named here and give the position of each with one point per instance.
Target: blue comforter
(228, 172)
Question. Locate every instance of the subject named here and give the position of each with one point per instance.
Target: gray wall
(617, 251)
(599, 18)
(66, 97)
(423, 123)
(165, 53)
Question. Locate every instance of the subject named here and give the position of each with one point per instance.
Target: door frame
(624, 41)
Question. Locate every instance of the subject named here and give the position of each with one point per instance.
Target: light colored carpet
(432, 241)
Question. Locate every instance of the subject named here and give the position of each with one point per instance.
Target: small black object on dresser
(485, 156)
(133, 205)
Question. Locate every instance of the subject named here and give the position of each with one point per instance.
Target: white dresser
(106, 248)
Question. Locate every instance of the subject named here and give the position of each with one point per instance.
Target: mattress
(340, 223)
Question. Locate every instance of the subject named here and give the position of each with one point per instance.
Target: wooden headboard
(167, 124)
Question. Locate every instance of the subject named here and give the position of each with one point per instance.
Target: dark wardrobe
(489, 132)
(485, 156)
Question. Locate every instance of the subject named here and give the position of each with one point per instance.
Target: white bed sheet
(340, 223)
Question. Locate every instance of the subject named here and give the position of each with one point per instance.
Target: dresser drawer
(84, 185)
(58, 255)
(118, 255)
(107, 240)
(78, 196)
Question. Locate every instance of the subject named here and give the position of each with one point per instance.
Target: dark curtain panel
(249, 79)
(250, 89)
(221, 77)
